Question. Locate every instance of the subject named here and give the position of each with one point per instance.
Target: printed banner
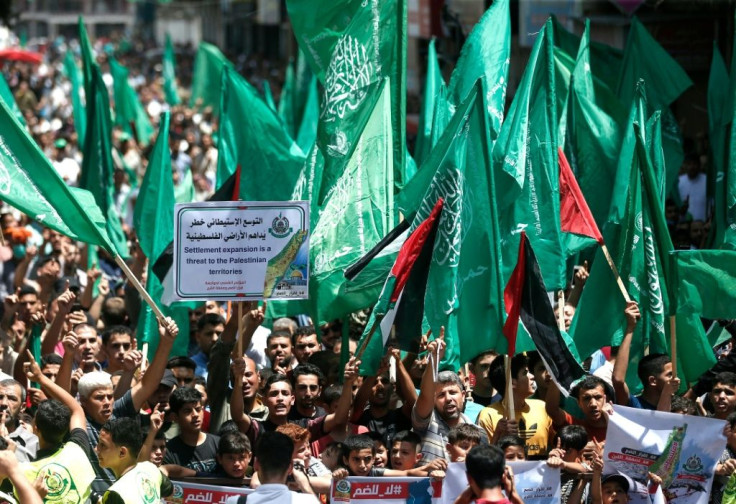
(239, 250)
(535, 482)
(387, 490)
(683, 450)
(185, 493)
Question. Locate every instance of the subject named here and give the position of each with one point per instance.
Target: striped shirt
(434, 431)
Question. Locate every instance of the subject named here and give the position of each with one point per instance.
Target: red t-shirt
(322, 443)
(486, 501)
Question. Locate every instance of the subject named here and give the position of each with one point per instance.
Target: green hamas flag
(299, 103)
(592, 137)
(154, 221)
(7, 96)
(465, 285)
(704, 280)
(358, 212)
(169, 72)
(433, 84)
(270, 160)
(208, 67)
(88, 58)
(97, 162)
(268, 96)
(645, 59)
(30, 183)
(80, 116)
(351, 46)
(729, 240)
(130, 116)
(718, 118)
(528, 143)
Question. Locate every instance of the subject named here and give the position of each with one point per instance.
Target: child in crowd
(330, 457)
(233, 459)
(381, 457)
(460, 440)
(406, 450)
(568, 456)
(513, 448)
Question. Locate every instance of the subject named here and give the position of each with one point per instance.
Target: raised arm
(64, 378)
(404, 384)
(10, 468)
(54, 391)
(51, 338)
(621, 366)
(156, 422)
(237, 407)
(131, 362)
(425, 400)
(340, 416)
(152, 377)
(552, 405)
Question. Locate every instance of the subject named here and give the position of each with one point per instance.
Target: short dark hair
(27, 289)
(463, 432)
(51, 358)
(302, 331)
(233, 442)
(407, 436)
(117, 329)
(589, 383)
(125, 431)
(210, 319)
(11, 382)
(533, 358)
(227, 426)
(475, 359)
(52, 420)
(275, 378)
(485, 464)
(573, 437)
(183, 396)
(726, 378)
(357, 442)
(376, 436)
(683, 405)
(278, 333)
(510, 440)
(331, 393)
(497, 372)
(181, 361)
(651, 365)
(307, 369)
(273, 453)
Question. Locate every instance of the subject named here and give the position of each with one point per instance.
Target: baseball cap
(623, 480)
(168, 380)
(60, 143)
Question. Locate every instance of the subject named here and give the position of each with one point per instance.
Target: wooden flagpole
(510, 410)
(620, 282)
(561, 310)
(673, 345)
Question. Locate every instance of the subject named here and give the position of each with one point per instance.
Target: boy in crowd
(513, 448)
(488, 478)
(461, 440)
(405, 451)
(233, 458)
(568, 457)
(382, 455)
(192, 448)
(594, 397)
(118, 448)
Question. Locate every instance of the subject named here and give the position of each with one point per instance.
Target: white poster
(535, 482)
(241, 250)
(683, 450)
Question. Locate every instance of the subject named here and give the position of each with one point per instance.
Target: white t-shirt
(694, 189)
(275, 494)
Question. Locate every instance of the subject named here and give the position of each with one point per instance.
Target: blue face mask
(19, 251)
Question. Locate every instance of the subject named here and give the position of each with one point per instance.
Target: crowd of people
(91, 420)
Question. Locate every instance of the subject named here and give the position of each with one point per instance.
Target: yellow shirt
(537, 425)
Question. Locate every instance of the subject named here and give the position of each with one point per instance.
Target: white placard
(241, 250)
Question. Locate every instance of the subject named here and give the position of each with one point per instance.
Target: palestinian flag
(401, 302)
(527, 302)
(575, 215)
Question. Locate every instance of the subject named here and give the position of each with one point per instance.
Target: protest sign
(387, 490)
(185, 492)
(535, 482)
(241, 250)
(681, 449)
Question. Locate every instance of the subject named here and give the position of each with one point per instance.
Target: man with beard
(307, 382)
(209, 328)
(377, 390)
(305, 343)
(279, 399)
(96, 395)
(439, 406)
(12, 403)
(594, 396)
(279, 351)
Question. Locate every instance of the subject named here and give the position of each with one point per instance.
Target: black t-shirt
(485, 401)
(201, 458)
(295, 415)
(388, 425)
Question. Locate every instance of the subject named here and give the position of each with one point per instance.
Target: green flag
(253, 136)
(310, 118)
(299, 103)
(465, 284)
(7, 96)
(351, 46)
(30, 183)
(729, 240)
(97, 162)
(169, 72)
(287, 107)
(208, 67)
(433, 83)
(80, 116)
(529, 145)
(154, 222)
(718, 118)
(358, 212)
(130, 116)
(704, 280)
(645, 58)
(268, 96)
